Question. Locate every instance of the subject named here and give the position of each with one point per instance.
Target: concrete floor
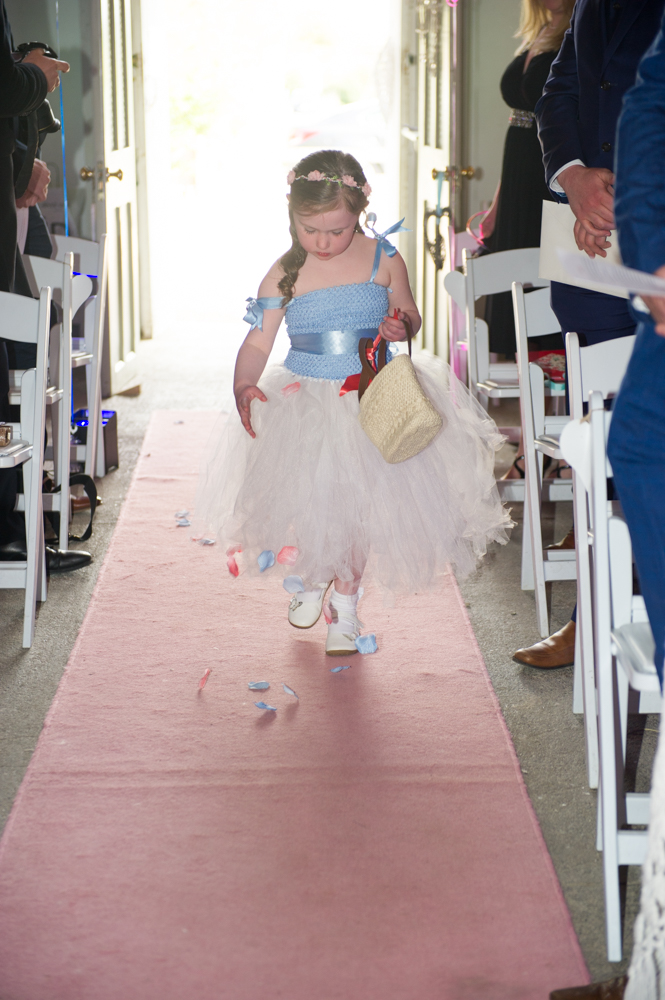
(537, 705)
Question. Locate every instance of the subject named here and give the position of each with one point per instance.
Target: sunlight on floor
(252, 88)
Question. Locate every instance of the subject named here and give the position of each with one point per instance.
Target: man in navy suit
(577, 120)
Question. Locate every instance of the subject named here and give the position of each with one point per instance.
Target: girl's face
(327, 235)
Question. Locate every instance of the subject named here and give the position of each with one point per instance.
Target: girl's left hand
(394, 329)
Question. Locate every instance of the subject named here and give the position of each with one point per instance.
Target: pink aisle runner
(373, 841)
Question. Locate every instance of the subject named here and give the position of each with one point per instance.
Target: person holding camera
(25, 79)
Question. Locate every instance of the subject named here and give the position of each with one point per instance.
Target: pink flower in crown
(315, 175)
(349, 181)
(290, 177)
(366, 189)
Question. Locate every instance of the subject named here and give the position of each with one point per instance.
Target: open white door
(115, 182)
(434, 26)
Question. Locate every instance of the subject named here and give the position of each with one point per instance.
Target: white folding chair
(454, 283)
(27, 321)
(540, 434)
(90, 259)
(489, 275)
(600, 367)
(70, 292)
(623, 654)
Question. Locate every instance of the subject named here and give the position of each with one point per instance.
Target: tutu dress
(313, 493)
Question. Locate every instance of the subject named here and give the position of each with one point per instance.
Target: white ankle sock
(346, 606)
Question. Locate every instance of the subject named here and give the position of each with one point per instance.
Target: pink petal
(202, 682)
(288, 390)
(233, 566)
(232, 551)
(288, 556)
(326, 613)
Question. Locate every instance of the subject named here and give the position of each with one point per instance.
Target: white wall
(490, 46)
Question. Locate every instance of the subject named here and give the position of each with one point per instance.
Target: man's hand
(37, 189)
(656, 305)
(590, 192)
(51, 68)
(244, 398)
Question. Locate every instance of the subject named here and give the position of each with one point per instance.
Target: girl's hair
(315, 198)
(533, 19)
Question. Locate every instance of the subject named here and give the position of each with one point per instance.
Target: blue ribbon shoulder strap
(254, 314)
(387, 247)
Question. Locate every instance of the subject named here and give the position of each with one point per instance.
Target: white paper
(618, 276)
(557, 235)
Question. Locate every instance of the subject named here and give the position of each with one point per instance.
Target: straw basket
(395, 413)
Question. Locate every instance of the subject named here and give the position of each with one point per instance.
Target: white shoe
(342, 634)
(306, 606)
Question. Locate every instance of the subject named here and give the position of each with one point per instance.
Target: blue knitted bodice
(343, 307)
(326, 325)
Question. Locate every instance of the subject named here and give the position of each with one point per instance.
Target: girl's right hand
(243, 402)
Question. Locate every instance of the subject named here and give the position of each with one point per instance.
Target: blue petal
(258, 685)
(290, 691)
(336, 670)
(183, 523)
(266, 559)
(181, 513)
(262, 704)
(366, 643)
(293, 584)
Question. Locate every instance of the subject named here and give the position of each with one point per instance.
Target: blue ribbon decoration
(330, 341)
(387, 247)
(254, 314)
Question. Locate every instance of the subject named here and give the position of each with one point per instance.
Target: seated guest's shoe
(567, 542)
(557, 651)
(13, 551)
(58, 561)
(306, 606)
(611, 989)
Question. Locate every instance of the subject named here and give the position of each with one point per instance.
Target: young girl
(295, 487)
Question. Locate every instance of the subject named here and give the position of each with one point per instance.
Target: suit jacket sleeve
(557, 110)
(22, 85)
(639, 193)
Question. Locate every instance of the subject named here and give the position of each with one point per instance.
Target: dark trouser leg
(12, 525)
(637, 453)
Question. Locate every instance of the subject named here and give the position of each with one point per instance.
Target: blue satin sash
(330, 342)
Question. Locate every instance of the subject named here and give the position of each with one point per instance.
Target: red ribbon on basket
(352, 383)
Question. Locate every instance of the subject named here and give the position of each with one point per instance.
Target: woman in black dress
(513, 221)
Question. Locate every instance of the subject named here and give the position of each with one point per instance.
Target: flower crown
(316, 175)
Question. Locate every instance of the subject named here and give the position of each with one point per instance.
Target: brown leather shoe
(611, 989)
(557, 651)
(567, 542)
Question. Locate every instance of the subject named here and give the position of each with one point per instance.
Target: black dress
(523, 189)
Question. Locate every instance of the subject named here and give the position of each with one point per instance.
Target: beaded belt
(330, 342)
(521, 119)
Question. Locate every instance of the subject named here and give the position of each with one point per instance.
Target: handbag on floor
(395, 413)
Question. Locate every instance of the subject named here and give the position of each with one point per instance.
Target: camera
(46, 120)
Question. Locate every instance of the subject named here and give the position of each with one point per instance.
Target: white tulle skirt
(312, 481)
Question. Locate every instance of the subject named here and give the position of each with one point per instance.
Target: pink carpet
(373, 841)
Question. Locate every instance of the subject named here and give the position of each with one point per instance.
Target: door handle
(451, 173)
(115, 173)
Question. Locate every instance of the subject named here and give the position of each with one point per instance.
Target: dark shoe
(58, 561)
(557, 651)
(567, 542)
(518, 468)
(611, 989)
(13, 552)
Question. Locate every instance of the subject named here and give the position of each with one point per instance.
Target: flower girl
(294, 486)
